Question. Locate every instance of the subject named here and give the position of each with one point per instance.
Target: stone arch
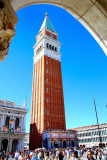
(55, 144)
(50, 46)
(47, 45)
(56, 49)
(86, 12)
(64, 144)
(91, 14)
(72, 143)
(53, 48)
(14, 145)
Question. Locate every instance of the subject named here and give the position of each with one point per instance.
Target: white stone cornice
(48, 54)
(48, 38)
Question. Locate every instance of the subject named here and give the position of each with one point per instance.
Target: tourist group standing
(58, 154)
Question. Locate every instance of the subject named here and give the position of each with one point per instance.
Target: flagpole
(106, 107)
(97, 123)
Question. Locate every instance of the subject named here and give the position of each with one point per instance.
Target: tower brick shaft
(47, 108)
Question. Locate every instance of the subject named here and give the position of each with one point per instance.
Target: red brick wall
(54, 36)
(55, 104)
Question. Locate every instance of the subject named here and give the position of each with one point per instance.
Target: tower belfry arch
(92, 14)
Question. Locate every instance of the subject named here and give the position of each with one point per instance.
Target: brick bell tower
(47, 108)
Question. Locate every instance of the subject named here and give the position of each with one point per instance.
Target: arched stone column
(8, 20)
(92, 14)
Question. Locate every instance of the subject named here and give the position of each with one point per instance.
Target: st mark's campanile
(47, 108)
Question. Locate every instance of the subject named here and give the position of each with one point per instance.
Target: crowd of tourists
(58, 154)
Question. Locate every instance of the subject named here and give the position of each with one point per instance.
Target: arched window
(47, 45)
(7, 121)
(50, 46)
(16, 123)
(55, 49)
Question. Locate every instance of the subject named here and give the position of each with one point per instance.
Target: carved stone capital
(8, 20)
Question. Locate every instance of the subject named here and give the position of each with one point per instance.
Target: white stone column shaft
(62, 144)
(10, 145)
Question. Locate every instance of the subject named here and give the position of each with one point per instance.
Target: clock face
(51, 35)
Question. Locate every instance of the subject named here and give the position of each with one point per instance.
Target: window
(46, 70)
(47, 112)
(46, 79)
(50, 46)
(16, 123)
(47, 123)
(46, 89)
(46, 100)
(47, 45)
(55, 49)
(46, 62)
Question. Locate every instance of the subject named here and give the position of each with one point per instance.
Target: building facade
(47, 108)
(88, 136)
(26, 143)
(59, 139)
(11, 111)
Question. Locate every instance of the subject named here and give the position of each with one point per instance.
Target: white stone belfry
(47, 43)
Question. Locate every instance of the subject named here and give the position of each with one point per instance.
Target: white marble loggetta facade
(9, 110)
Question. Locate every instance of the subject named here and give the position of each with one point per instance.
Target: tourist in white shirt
(16, 155)
(22, 157)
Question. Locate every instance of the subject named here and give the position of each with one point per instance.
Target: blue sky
(84, 66)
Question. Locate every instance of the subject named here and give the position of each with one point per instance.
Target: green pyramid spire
(47, 24)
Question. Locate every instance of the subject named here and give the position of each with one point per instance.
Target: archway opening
(14, 145)
(72, 143)
(4, 145)
(55, 144)
(64, 144)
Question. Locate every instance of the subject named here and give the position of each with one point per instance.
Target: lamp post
(9, 133)
(98, 125)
